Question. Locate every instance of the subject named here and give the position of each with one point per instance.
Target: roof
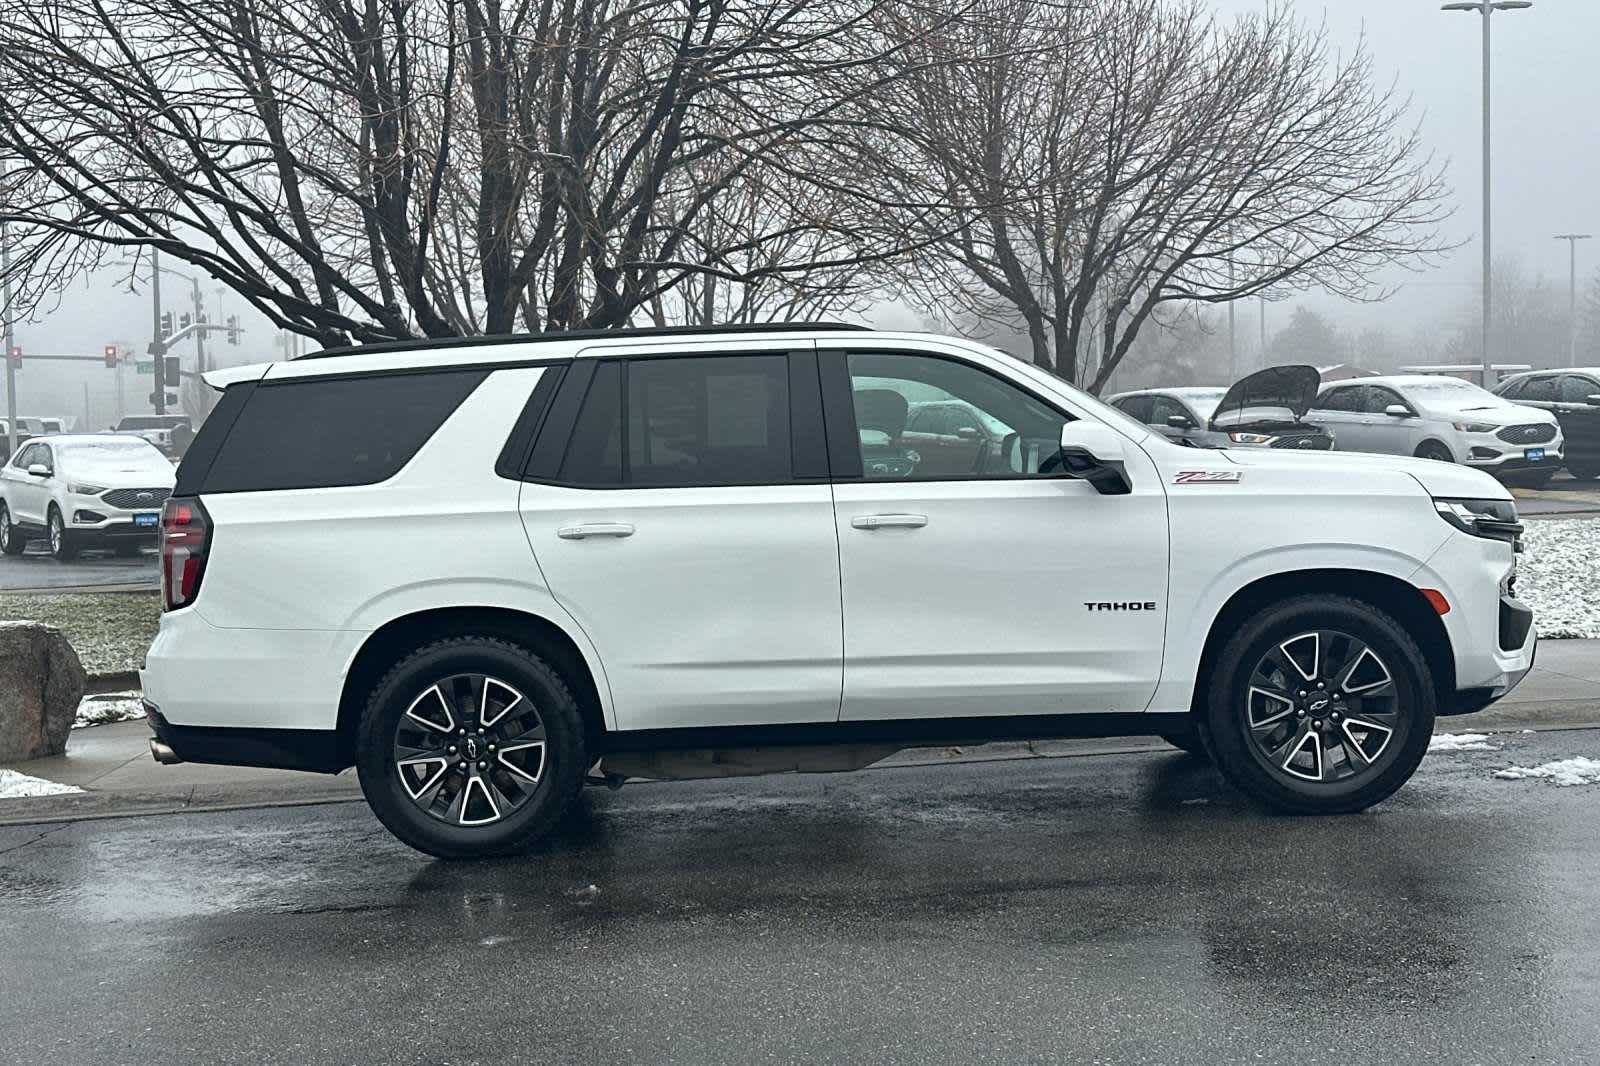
(1177, 390)
(641, 332)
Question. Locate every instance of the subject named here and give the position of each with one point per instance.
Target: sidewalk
(112, 763)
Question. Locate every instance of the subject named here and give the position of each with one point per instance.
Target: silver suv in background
(1443, 418)
(1264, 410)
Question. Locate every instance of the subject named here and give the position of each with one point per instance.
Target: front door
(1580, 423)
(1009, 592)
(686, 523)
(1387, 433)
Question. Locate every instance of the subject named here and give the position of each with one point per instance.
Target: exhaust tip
(163, 754)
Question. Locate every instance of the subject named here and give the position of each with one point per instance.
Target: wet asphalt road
(1121, 908)
(36, 570)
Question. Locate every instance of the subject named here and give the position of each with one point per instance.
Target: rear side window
(1577, 390)
(1346, 399)
(1539, 390)
(320, 433)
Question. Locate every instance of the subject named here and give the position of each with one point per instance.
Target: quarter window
(1577, 390)
(1018, 433)
(1141, 408)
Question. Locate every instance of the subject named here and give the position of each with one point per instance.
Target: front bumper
(1492, 636)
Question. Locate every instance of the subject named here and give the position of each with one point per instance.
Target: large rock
(41, 684)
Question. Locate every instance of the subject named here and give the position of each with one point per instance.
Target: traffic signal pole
(158, 347)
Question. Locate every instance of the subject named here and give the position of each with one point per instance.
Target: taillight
(185, 538)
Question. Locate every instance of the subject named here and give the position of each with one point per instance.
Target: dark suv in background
(1573, 396)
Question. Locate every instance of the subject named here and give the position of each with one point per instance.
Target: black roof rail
(579, 334)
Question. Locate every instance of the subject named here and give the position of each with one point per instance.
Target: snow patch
(109, 707)
(20, 786)
(1461, 742)
(1559, 567)
(1563, 772)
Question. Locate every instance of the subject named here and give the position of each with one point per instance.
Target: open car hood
(1267, 396)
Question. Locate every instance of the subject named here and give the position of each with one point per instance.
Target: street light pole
(1487, 9)
(1572, 240)
(10, 339)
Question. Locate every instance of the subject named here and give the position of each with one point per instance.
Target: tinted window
(594, 454)
(1378, 399)
(1511, 389)
(1021, 432)
(318, 433)
(719, 421)
(1167, 407)
(927, 420)
(1539, 390)
(1139, 407)
(1577, 390)
(1345, 399)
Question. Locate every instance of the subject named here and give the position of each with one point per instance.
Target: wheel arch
(1424, 442)
(1394, 595)
(395, 638)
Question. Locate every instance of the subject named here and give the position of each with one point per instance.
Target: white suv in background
(680, 553)
(83, 490)
(1443, 418)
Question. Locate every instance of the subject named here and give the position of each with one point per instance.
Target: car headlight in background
(85, 490)
(1495, 519)
(1474, 427)
(1251, 438)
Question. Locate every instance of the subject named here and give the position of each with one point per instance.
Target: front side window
(1575, 389)
(1538, 390)
(683, 422)
(1167, 407)
(1018, 434)
(1378, 400)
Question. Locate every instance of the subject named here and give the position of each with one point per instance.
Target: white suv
(1443, 418)
(482, 571)
(83, 490)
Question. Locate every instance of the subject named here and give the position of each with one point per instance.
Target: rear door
(679, 508)
(1014, 591)
(1337, 410)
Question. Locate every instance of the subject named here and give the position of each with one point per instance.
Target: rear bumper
(313, 750)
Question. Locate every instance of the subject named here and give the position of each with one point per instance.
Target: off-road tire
(1226, 705)
(563, 770)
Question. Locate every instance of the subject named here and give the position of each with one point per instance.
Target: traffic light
(111, 356)
(233, 329)
(15, 355)
(157, 397)
(166, 324)
(170, 371)
(183, 321)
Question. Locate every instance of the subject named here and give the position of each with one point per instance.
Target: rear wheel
(470, 747)
(62, 546)
(1583, 471)
(1432, 449)
(12, 542)
(1320, 705)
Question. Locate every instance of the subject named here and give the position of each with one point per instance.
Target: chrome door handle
(889, 521)
(595, 529)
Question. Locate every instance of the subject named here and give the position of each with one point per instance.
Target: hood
(1503, 413)
(1438, 479)
(114, 470)
(1268, 396)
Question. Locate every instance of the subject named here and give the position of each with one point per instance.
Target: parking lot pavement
(1563, 496)
(1121, 908)
(37, 570)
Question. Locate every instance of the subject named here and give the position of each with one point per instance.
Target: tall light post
(1572, 240)
(1487, 9)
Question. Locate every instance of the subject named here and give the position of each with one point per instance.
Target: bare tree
(1102, 160)
(375, 169)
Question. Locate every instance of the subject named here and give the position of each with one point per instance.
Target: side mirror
(1093, 452)
(1397, 410)
(38, 470)
(1179, 422)
(967, 433)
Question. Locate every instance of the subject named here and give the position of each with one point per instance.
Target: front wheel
(1320, 705)
(1432, 449)
(1583, 471)
(12, 542)
(62, 546)
(470, 747)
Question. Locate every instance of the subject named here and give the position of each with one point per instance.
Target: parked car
(90, 490)
(1264, 410)
(158, 429)
(26, 431)
(45, 426)
(1442, 418)
(668, 553)
(1573, 397)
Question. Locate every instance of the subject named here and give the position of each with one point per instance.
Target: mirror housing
(1179, 422)
(1093, 452)
(1397, 410)
(967, 433)
(38, 470)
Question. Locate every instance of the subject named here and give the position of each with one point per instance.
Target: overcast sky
(1547, 161)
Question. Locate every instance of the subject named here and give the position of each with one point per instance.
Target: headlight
(1251, 438)
(1474, 427)
(1495, 519)
(86, 490)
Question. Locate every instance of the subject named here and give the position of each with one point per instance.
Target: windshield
(109, 448)
(1204, 402)
(1453, 394)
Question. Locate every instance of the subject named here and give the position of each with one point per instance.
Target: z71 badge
(1208, 477)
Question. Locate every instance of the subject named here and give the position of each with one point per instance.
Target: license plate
(146, 521)
(1534, 454)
